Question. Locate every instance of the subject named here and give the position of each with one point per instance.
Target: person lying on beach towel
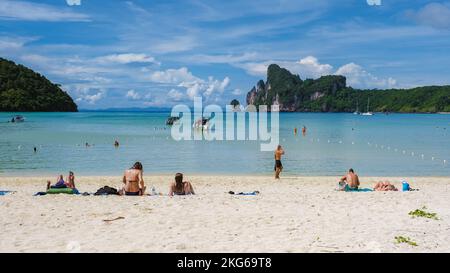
(61, 184)
(384, 186)
(349, 182)
(180, 187)
(134, 181)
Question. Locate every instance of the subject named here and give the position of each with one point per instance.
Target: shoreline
(287, 176)
(295, 214)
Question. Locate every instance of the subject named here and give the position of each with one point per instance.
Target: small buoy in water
(404, 152)
(423, 156)
(19, 147)
(340, 141)
(329, 141)
(445, 161)
(432, 158)
(412, 153)
(353, 143)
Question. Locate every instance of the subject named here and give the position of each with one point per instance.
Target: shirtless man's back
(352, 179)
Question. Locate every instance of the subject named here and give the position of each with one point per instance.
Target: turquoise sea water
(381, 145)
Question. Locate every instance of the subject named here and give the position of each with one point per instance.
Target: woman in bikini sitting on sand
(134, 181)
(179, 187)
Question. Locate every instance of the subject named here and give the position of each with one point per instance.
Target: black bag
(106, 191)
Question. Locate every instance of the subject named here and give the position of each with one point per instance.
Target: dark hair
(138, 166)
(179, 181)
(71, 173)
(351, 171)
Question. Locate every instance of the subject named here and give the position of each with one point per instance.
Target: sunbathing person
(351, 179)
(384, 186)
(134, 181)
(60, 184)
(71, 180)
(179, 187)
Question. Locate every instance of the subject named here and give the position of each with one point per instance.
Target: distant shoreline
(169, 111)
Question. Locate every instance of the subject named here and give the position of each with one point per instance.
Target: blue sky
(142, 53)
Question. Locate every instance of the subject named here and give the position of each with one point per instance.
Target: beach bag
(106, 191)
(342, 186)
(405, 186)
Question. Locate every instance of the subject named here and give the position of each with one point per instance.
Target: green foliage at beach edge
(23, 90)
(331, 94)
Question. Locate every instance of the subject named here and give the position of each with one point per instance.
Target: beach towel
(244, 193)
(2, 193)
(62, 191)
(342, 186)
(359, 190)
(40, 194)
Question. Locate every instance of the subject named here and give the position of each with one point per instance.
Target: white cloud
(237, 92)
(221, 59)
(30, 11)
(73, 2)
(308, 67)
(174, 76)
(255, 68)
(133, 95)
(374, 2)
(85, 93)
(311, 66)
(195, 86)
(175, 95)
(14, 42)
(174, 44)
(436, 15)
(359, 78)
(127, 58)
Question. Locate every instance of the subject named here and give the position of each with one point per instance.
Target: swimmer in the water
(116, 144)
(304, 130)
(295, 131)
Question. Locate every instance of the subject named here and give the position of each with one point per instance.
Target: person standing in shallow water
(279, 152)
(304, 130)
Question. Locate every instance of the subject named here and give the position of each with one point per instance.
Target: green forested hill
(23, 90)
(331, 94)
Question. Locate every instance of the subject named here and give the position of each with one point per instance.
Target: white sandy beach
(296, 214)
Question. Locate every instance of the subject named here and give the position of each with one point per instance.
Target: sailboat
(368, 113)
(357, 109)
